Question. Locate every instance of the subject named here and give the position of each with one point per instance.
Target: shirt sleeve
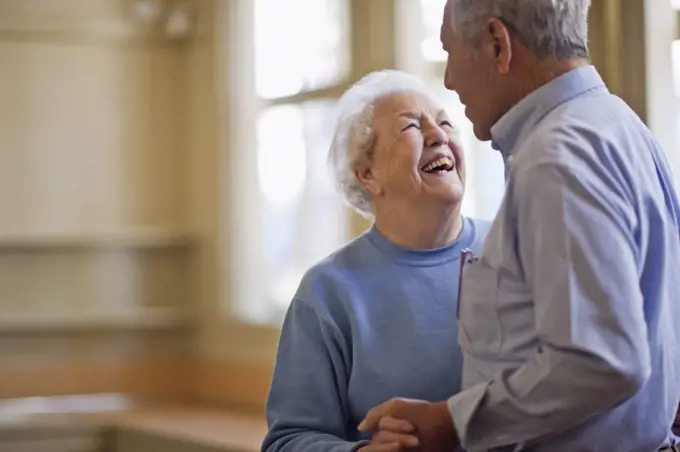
(577, 250)
(306, 409)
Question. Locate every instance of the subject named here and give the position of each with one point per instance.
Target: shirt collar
(520, 119)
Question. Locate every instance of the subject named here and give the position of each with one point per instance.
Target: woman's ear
(366, 177)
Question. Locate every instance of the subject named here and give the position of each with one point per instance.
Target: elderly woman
(377, 319)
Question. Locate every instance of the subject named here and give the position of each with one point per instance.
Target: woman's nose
(436, 137)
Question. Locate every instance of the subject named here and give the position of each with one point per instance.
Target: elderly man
(568, 316)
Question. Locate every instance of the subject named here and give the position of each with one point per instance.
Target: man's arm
(305, 409)
(578, 254)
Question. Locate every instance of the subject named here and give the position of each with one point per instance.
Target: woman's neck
(428, 228)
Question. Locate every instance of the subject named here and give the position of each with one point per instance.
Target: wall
(617, 45)
(94, 243)
(112, 238)
(662, 102)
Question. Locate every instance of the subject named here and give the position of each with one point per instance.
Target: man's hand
(431, 421)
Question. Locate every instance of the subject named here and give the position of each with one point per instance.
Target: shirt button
(510, 159)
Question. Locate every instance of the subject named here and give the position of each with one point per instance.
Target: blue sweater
(371, 322)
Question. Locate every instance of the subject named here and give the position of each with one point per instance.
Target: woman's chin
(449, 194)
(448, 181)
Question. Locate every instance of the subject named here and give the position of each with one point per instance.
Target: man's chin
(481, 133)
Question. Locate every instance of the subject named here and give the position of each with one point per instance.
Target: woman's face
(417, 159)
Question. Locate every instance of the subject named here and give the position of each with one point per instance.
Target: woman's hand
(394, 435)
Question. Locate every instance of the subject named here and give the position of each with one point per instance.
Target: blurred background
(163, 187)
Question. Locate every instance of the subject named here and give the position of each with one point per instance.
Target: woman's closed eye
(410, 125)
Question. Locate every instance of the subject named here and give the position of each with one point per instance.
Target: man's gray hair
(354, 137)
(555, 29)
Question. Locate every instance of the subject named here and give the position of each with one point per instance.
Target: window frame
(383, 34)
(239, 108)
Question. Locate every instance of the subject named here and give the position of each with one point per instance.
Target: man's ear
(364, 174)
(501, 44)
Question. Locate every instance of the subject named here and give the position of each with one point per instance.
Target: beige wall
(94, 231)
(114, 143)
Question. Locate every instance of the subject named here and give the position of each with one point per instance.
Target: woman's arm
(307, 403)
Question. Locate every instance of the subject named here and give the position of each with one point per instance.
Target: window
(422, 54)
(662, 39)
(430, 46)
(289, 64)
(292, 216)
(303, 218)
(299, 52)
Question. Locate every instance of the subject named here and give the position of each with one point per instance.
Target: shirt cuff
(463, 406)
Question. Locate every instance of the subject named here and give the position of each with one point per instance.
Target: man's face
(473, 74)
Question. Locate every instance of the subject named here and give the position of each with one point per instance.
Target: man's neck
(432, 227)
(542, 72)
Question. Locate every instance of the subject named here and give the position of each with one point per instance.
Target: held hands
(393, 435)
(403, 424)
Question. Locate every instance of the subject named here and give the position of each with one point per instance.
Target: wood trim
(329, 92)
(121, 37)
(65, 377)
(152, 318)
(135, 238)
(72, 22)
(612, 39)
(617, 45)
(238, 385)
(230, 384)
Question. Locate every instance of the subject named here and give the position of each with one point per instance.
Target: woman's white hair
(555, 29)
(354, 137)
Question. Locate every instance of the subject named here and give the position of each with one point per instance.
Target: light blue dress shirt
(568, 319)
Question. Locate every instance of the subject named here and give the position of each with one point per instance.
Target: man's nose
(450, 79)
(448, 83)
